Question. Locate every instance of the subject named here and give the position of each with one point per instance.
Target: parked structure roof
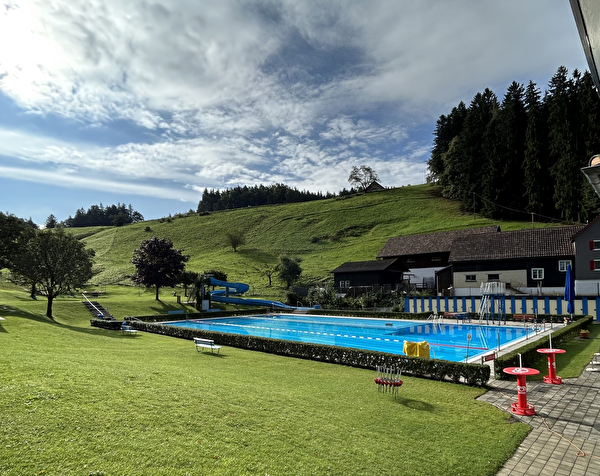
(534, 243)
(365, 266)
(429, 242)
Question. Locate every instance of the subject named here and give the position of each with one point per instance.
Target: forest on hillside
(239, 197)
(522, 155)
(99, 215)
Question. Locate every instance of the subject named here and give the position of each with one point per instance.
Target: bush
(471, 374)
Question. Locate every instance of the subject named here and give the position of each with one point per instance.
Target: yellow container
(423, 349)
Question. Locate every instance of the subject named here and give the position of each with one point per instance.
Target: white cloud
(232, 92)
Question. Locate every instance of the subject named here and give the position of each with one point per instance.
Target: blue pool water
(446, 341)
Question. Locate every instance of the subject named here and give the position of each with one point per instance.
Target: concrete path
(565, 439)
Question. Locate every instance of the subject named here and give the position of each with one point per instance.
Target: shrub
(471, 374)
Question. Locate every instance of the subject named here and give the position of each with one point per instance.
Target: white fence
(554, 305)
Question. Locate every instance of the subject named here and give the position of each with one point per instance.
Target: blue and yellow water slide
(228, 295)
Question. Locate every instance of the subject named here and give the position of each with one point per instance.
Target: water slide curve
(228, 295)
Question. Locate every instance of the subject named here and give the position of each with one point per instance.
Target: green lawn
(77, 400)
(578, 355)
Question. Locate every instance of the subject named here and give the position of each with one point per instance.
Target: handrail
(99, 312)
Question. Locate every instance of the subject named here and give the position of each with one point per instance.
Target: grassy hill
(323, 233)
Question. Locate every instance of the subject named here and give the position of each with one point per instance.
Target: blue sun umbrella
(570, 290)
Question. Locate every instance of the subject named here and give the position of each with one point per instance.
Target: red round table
(521, 407)
(552, 377)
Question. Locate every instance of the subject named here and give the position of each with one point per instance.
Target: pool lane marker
(353, 337)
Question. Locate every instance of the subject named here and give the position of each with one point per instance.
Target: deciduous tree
(12, 231)
(289, 270)
(235, 237)
(362, 176)
(158, 264)
(54, 262)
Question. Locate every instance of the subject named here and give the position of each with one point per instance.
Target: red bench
(523, 317)
(458, 315)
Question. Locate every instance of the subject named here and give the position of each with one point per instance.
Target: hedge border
(457, 372)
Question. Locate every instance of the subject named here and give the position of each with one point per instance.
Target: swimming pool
(446, 341)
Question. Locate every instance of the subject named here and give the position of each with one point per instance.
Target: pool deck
(565, 435)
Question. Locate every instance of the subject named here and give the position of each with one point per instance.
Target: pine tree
(562, 145)
(512, 125)
(447, 128)
(482, 109)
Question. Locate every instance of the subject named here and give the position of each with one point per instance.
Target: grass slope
(77, 400)
(324, 234)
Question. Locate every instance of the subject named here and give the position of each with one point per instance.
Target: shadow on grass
(212, 354)
(162, 308)
(41, 318)
(415, 404)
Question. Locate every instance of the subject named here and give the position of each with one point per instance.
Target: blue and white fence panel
(553, 305)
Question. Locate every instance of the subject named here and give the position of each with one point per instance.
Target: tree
(289, 270)
(215, 273)
(268, 271)
(562, 145)
(51, 222)
(362, 176)
(447, 128)
(158, 264)
(504, 147)
(537, 183)
(188, 278)
(483, 108)
(54, 262)
(199, 291)
(235, 237)
(12, 230)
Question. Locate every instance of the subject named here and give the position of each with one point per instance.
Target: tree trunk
(49, 307)
(157, 287)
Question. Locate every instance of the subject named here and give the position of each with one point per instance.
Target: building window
(595, 265)
(410, 261)
(471, 278)
(563, 263)
(537, 274)
(493, 277)
(595, 245)
(345, 284)
(435, 259)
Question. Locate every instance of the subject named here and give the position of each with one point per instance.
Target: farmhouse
(528, 261)
(457, 263)
(427, 253)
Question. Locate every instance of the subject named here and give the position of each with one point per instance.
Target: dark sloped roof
(589, 225)
(536, 243)
(429, 242)
(363, 266)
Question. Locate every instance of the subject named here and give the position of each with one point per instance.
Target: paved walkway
(565, 436)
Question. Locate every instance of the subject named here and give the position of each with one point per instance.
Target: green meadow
(77, 400)
(323, 233)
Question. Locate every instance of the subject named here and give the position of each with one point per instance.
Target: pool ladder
(436, 320)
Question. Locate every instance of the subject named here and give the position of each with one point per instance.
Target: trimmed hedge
(471, 374)
(529, 351)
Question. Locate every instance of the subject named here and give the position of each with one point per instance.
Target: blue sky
(142, 103)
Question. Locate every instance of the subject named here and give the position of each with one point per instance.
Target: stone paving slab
(565, 436)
